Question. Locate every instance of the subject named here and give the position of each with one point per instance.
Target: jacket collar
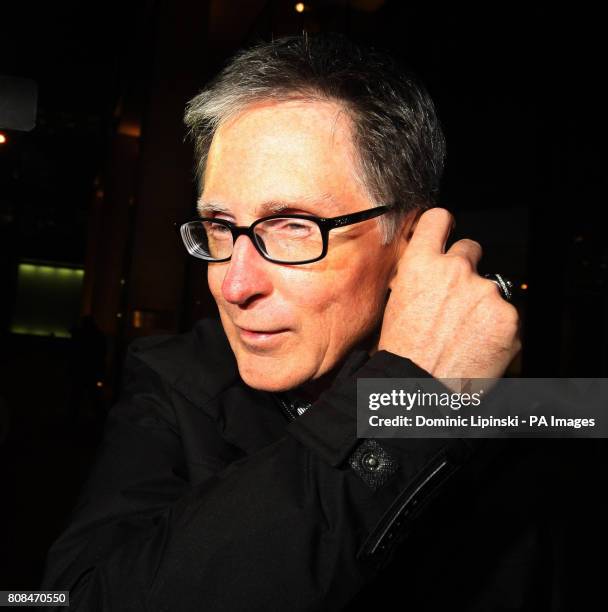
(201, 365)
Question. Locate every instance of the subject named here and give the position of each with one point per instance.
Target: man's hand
(441, 314)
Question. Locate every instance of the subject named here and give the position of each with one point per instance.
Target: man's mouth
(260, 337)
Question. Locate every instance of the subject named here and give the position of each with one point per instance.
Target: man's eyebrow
(325, 200)
(271, 207)
(206, 208)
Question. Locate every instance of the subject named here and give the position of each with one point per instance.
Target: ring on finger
(504, 285)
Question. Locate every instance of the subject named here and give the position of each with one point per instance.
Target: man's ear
(405, 232)
(404, 235)
(411, 221)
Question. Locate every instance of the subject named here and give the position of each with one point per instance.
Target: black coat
(207, 495)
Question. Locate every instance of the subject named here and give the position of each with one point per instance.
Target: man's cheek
(215, 277)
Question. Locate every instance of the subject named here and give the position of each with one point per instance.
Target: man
(230, 476)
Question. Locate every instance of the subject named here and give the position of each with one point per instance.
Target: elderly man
(231, 476)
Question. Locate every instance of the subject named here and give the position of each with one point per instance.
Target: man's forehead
(295, 157)
(310, 113)
(277, 128)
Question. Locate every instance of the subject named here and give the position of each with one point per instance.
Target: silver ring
(504, 285)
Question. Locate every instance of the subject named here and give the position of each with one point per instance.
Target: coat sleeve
(298, 525)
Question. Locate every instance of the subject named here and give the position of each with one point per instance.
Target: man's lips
(249, 330)
(261, 338)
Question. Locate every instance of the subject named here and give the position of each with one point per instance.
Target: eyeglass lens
(282, 239)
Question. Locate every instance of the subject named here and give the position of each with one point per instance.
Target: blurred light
(129, 128)
(37, 331)
(119, 315)
(50, 270)
(99, 383)
(2, 138)
(524, 286)
(48, 299)
(299, 7)
(137, 319)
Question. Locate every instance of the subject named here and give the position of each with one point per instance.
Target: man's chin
(272, 375)
(274, 384)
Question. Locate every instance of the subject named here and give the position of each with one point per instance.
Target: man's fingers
(469, 249)
(432, 231)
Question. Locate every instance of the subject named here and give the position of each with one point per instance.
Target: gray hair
(396, 132)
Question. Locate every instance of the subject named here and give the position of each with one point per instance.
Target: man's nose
(247, 275)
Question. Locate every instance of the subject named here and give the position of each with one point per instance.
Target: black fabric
(204, 496)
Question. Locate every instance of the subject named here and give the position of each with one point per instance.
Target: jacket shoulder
(199, 363)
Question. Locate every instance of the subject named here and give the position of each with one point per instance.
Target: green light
(48, 300)
(51, 270)
(31, 331)
(65, 272)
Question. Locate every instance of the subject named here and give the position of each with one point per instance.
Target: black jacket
(208, 495)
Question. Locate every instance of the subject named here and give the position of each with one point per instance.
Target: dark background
(98, 183)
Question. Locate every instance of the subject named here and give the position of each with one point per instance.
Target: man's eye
(217, 229)
(291, 226)
(296, 226)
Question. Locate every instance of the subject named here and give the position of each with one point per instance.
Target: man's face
(289, 324)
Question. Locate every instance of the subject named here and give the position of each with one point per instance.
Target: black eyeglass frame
(326, 224)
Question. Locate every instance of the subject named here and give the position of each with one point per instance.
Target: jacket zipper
(400, 508)
(286, 408)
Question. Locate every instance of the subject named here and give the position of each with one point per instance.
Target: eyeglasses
(286, 239)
